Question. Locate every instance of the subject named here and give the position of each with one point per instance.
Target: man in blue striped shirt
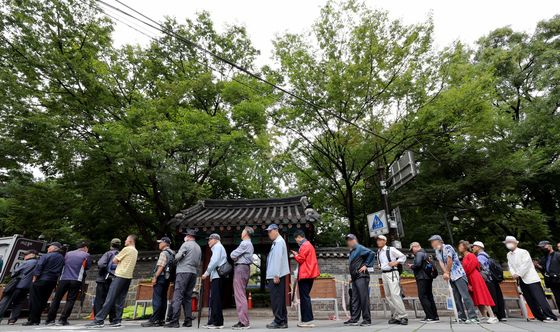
(277, 269)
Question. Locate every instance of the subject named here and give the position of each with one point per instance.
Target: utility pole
(393, 232)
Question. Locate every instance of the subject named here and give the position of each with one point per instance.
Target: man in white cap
(218, 259)
(493, 275)
(389, 258)
(277, 269)
(522, 269)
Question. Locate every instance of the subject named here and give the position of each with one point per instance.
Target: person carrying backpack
(106, 273)
(493, 274)
(424, 273)
(389, 259)
(163, 275)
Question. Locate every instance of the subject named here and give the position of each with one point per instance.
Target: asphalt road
(512, 325)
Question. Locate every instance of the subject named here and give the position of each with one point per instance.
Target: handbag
(225, 269)
(11, 286)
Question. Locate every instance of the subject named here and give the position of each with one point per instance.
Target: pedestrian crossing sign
(377, 223)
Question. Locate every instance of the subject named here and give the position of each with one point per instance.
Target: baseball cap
(116, 241)
(381, 237)
(435, 238)
(164, 239)
(351, 237)
(56, 244)
(190, 232)
(414, 244)
(510, 238)
(213, 236)
(543, 243)
(31, 251)
(271, 227)
(478, 244)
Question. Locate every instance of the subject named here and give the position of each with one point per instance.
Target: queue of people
(472, 275)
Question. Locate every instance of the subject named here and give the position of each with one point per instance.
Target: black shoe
(95, 325)
(115, 324)
(430, 321)
(404, 321)
(274, 325)
(187, 323)
(174, 325)
(365, 323)
(351, 323)
(394, 321)
(149, 324)
(240, 326)
(50, 323)
(29, 323)
(62, 323)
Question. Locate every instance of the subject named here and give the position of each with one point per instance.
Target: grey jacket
(188, 257)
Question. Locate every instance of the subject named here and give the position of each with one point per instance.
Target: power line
(159, 27)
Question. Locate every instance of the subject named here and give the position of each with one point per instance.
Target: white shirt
(521, 264)
(395, 255)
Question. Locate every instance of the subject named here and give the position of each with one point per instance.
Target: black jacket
(551, 275)
(419, 265)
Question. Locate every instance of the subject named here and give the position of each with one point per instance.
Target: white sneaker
(306, 324)
(492, 320)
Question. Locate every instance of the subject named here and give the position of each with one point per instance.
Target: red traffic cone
(250, 301)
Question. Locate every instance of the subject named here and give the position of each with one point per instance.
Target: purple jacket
(76, 262)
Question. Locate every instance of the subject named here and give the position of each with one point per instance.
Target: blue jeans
(115, 299)
(461, 294)
(159, 299)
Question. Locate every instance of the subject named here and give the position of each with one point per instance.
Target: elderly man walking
(105, 274)
(160, 283)
(522, 269)
(219, 259)
(423, 273)
(243, 258)
(454, 273)
(389, 259)
(76, 263)
(360, 259)
(46, 273)
(188, 260)
(277, 269)
(307, 272)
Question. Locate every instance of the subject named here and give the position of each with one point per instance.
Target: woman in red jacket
(307, 272)
(477, 286)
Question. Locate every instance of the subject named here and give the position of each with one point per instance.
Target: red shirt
(307, 260)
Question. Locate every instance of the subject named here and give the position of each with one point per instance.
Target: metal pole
(393, 232)
(449, 229)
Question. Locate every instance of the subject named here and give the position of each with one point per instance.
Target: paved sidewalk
(512, 325)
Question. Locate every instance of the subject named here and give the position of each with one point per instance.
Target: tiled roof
(250, 212)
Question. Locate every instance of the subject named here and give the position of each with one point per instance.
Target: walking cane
(522, 300)
(200, 300)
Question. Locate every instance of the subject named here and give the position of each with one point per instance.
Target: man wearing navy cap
(76, 263)
(45, 276)
(277, 269)
(160, 282)
(359, 260)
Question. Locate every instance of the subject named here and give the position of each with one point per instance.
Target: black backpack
(495, 269)
(399, 267)
(171, 267)
(430, 268)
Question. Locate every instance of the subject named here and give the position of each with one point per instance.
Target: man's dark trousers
(182, 296)
(216, 315)
(41, 290)
(536, 300)
(115, 299)
(305, 286)
(159, 299)
(72, 287)
(555, 288)
(360, 300)
(426, 297)
(496, 292)
(278, 300)
(101, 291)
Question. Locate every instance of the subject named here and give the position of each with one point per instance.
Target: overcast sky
(454, 20)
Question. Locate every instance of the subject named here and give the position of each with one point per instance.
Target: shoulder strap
(388, 253)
